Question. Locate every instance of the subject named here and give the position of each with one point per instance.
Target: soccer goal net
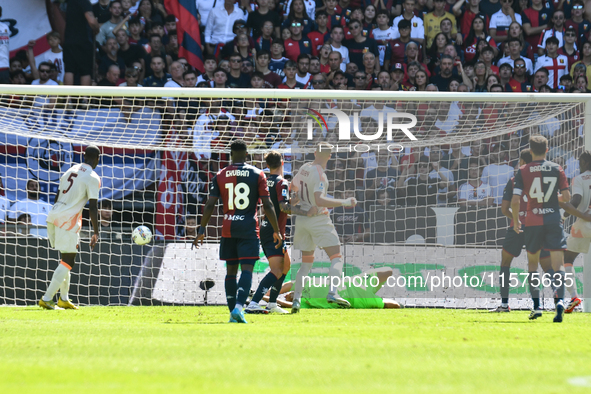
(428, 172)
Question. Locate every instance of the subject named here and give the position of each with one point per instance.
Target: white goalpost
(161, 147)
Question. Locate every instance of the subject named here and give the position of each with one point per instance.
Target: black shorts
(78, 59)
(547, 236)
(514, 242)
(239, 250)
(268, 243)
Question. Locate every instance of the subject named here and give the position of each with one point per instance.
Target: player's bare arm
(207, 212)
(326, 202)
(270, 213)
(574, 201)
(570, 208)
(93, 210)
(515, 200)
(506, 209)
(296, 210)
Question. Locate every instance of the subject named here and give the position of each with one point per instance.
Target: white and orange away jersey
(78, 185)
(310, 179)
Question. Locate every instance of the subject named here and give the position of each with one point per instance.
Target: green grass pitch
(193, 349)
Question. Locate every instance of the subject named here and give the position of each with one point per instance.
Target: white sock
(58, 277)
(65, 288)
(253, 303)
(271, 305)
(336, 269)
(504, 305)
(570, 273)
(298, 286)
(240, 307)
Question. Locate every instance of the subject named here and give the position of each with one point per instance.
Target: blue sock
(550, 274)
(559, 285)
(264, 286)
(534, 290)
(244, 287)
(276, 289)
(504, 278)
(230, 286)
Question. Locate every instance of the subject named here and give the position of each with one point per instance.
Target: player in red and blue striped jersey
(279, 261)
(239, 186)
(513, 245)
(541, 181)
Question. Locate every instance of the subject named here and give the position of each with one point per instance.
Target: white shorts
(577, 245)
(314, 231)
(580, 237)
(62, 240)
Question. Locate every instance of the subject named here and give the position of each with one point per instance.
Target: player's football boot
(277, 309)
(559, 313)
(576, 301)
(295, 306)
(237, 315)
(49, 305)
(232, 320)
(535, 314)
(66, 304)
(335, 299)
(254, 307)
(500, 309)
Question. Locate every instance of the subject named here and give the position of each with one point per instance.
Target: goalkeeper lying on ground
(359, 297)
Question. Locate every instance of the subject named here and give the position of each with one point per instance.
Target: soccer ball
(141, 235)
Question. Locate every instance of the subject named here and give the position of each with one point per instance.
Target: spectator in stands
(45, 69)
(218, 25)
(566, 83)
(298, 11)
(337, 35)
(111, 57)
(421, 81)
(172, 48)
(383, 199)
(501, 20)
(256, 82)
(381, 177)
(302, 75)
(521, 83)
(361, 80)
(257, 19)
(498, 172)
(321, 31)
(129, 53)
(220, 77)
(111, 77)
(577, 21)
(298, 43)
(415, 23)
(101, 11)
(541, 78)
(55, 55)
(135, 31)
(107, 28)
(443, 79)
(351, 223)
(358, 45)
(419, 189)
(569, 49)
(150, 12)
(81, 26)
(156, 49)
(159, 77)
(445, 178)
(17, 77)
(32, 205)
(131, 78)
(535, 20)
(319, 82)
(290, 81)
(105, 215)
(176, 76)
(191, 227)
(557, 31)
(584, 64)
(277, 62)
(474, 193)
(236, 78)
(272, 80)
(432, 22)
(557, 65)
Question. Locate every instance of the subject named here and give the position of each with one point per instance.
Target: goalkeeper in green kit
(360, 297)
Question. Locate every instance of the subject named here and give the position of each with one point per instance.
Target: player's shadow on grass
(194, 322)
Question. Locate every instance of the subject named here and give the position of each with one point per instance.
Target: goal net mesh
(428, 176)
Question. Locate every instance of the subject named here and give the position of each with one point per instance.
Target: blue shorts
(548, 236)
(239, 250)
(268, 243)
(514, 242)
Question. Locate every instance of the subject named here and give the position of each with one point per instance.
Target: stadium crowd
(412, 45)
(433, 45)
